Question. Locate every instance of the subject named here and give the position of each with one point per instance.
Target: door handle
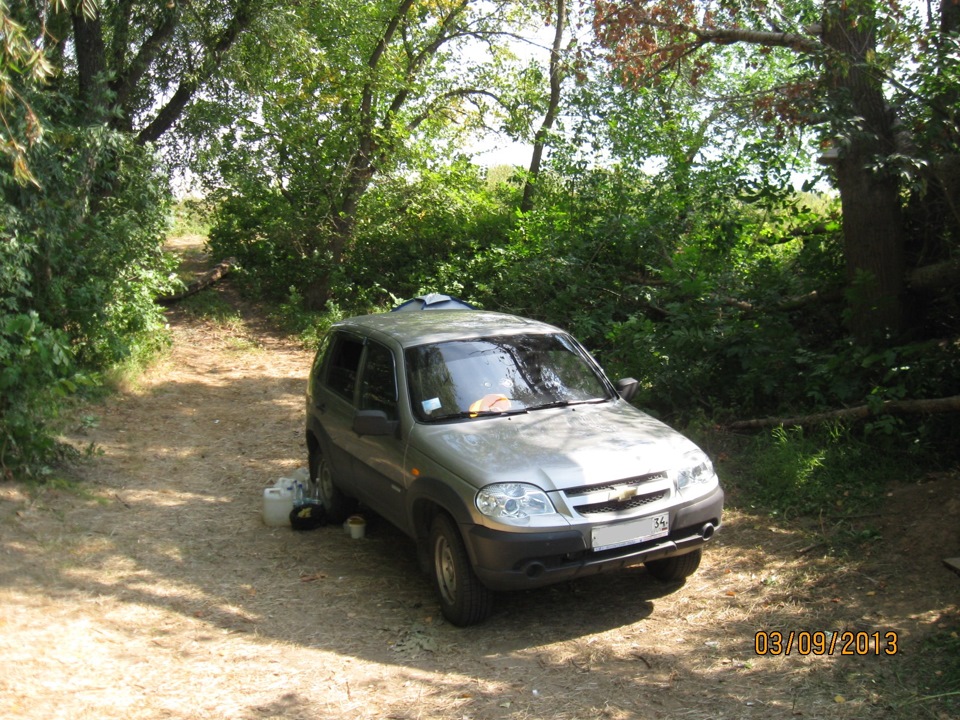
(321, 407)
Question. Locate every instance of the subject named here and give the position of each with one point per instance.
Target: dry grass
(158, 593)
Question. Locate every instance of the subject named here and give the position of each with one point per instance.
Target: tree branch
(439, 103)
(726, 36)
(556, 81)
(212, 59)
(127, 80)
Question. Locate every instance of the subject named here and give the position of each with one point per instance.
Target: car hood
(555, 449)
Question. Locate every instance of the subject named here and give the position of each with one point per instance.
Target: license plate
(635, 531)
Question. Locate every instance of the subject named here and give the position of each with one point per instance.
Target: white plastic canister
(277, 504)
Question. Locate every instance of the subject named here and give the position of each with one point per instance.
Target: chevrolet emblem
(628, 492)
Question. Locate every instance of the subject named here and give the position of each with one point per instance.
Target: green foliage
(312, 326)
(35, 373)
(356, 94)
(829, 471)
(191, 216)
(271, 242)
(23, 67)
(97, 227)
(81, 264)
(414, 235)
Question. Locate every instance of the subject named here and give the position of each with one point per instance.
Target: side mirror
(374, 422)
(627, 387)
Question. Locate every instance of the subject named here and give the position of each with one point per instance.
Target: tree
(355, 89)
(130, 55)
(849, 80)
(81, 228)
(86, 88)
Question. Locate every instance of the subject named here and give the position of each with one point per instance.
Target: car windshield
(499, 375)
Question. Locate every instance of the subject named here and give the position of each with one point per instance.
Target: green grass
(931, 686)
(829, 471)
(211, 306)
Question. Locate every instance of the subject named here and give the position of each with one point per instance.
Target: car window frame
(328, 368)
(369, 345)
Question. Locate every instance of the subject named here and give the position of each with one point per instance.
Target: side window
(343, 365)
(320, 362)
(378, 387)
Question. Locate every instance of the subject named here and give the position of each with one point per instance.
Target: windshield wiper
(476, 413)
(567, 403)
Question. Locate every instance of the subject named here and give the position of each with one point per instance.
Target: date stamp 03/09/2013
(826, 642)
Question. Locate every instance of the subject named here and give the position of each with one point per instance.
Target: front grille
(620, 484)
(615, 506)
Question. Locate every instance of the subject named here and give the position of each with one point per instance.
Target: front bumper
(517, 561)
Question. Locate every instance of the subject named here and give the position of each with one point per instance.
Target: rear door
(335, 403)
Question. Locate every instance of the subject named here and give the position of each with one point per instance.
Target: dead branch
(890, 407)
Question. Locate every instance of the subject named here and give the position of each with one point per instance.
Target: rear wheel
(464, 600)
(678, 567)
(336, 506)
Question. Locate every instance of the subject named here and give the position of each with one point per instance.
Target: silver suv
(499, 445)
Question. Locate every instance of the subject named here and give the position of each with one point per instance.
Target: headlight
(696, 472)
(513, 501)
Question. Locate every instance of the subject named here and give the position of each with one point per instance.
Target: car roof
(410, 329)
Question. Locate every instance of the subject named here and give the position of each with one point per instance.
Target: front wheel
(336, 506)
(678, 567)
(464, 600)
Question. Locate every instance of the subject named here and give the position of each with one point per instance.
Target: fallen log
(209, 278)
(935, 277)
(861, 412)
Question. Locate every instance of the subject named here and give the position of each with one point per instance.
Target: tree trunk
(91, 54)
(873, 228)
(556, 78)
(340, 229)
(362, 166)
(211, 277)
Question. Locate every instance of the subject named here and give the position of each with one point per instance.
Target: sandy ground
(149, 587)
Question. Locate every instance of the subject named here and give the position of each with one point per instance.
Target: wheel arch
(313, 444)
(429, 497)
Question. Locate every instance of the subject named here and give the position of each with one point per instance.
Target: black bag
(308, 515)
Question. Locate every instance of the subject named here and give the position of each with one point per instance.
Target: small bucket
(277, 504)
(357, 526)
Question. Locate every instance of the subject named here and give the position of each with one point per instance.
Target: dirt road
(152, 589)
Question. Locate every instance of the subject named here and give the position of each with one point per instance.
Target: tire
(464, 600)
(678, 567)
(336, 506)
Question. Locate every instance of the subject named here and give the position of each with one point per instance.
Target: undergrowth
(933, 682)
(210, 306)
(835, 471)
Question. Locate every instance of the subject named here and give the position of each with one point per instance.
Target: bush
(80, 265)
(831, 470)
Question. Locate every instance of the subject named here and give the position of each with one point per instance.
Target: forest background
(751, 207)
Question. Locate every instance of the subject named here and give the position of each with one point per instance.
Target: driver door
(378, 459)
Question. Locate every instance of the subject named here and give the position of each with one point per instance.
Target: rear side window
(343, 364)
(378, 387)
